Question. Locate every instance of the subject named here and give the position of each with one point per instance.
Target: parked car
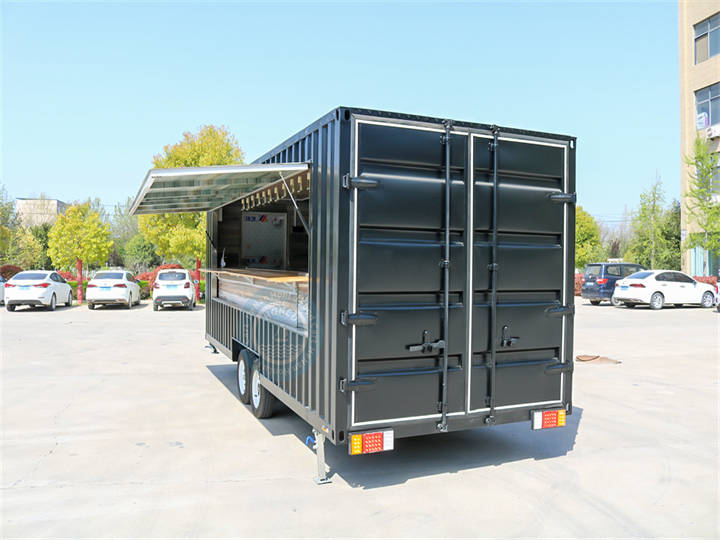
(173, 287)
(600, 278)
(660, 287)
(113, 287)
(37, 288)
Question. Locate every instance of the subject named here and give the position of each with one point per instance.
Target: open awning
(201, 189)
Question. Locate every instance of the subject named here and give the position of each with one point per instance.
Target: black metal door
(518, 340)
(398, 335)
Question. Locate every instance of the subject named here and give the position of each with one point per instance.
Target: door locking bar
(493, 268)
(427, 346)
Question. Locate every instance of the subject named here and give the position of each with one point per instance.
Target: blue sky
(91, 91)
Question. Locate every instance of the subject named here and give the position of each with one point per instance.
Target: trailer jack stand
(319, 447)
(211, 346)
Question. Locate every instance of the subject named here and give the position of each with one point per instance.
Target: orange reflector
(548, 419)
(369, 443)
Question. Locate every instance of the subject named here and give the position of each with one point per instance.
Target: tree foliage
(587, 239)
(79, 234)
(701, 200)
(41, 232)
(180, 236)
(9, 222)
(139, 254)
(24, 249)
(654, 243)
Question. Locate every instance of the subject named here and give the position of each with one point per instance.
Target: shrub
(68, 276)
(73, 284)
(578, 284)
(144, 276)
(9, 270)
(145, 292)
(712, 280)
(153, 277)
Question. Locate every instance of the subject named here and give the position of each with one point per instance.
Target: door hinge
(563, 198)
(559, 367)
(357, 319)
(349, 182)
(560, 311)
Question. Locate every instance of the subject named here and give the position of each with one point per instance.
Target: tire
(242, 377)
(707, 300)
(630, 305)
(10, 307)
(615, 302)
(155, 306)
(53, 303)
(261, 401)
(129, 304)
(595, 302)
(69, 300)
(91, 306)
(657, 300)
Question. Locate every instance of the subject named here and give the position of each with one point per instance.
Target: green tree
(9, 222)
(178, 236)
(648, 243)
(701, 200)
(587, 239)
(139, 254)
(79, 236)
(24, 249)
(123, 227)
(41, 232)
(669, 254)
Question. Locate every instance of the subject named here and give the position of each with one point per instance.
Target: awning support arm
(297, 209)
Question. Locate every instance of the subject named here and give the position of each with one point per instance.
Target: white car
(113, 287)
(37, 288)
(660, 287)
(173, 287)
(2, 290)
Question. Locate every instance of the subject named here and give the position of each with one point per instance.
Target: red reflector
(372, 442)
(187, 285)
(43, 285)
(156, 285)
(90, 285)
(637, 285)
(602, 281)
(7, 285)
(121, 285)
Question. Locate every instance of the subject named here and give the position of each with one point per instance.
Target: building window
(707, 106)
(707, 38)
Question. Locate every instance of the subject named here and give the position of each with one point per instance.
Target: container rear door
(398, 238)
(532, 273)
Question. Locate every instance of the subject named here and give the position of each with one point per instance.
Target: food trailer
(388, 275)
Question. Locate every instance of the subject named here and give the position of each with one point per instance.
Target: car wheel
(129, 304)
(595, 302)
(261, 400)
(10, 307)
(244, 361)
(630, 305)
(707, 299)
(657, 300)
(69, 300)
(53, 303)
(91, 306)
(155, 306)
(615, 302)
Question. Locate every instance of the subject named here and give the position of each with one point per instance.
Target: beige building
(38, 211)
(699, 48)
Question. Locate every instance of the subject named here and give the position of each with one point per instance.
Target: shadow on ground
(428, 455)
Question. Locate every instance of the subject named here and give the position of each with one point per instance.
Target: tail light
(601, 281)
(8, 285)
(43, 285)
(637, 285)
(156, 285)
(369, 443)
(187, 285)
(121, 285)
(90, 285)
(582, 281)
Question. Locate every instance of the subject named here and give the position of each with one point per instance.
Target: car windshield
(639, 275)
(171, 276)
(108, 275)
(593, 270)
(30, 275)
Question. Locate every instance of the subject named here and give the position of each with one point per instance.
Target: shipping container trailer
(388, 275)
